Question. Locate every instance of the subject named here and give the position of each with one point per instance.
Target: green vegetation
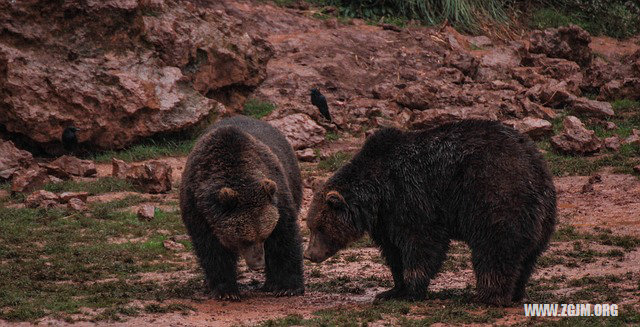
(331, 136)
(467, 15)
(258, 109)
(334, 161)
(98, 186)
(57, 262)
(615, 18)
(148, 150)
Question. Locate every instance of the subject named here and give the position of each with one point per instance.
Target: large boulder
(569, 42)
(120, 70)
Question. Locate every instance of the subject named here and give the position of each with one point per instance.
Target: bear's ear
(227, 196)
(335, 200)
(269, 187)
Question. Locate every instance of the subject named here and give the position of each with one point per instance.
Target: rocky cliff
(120, 70)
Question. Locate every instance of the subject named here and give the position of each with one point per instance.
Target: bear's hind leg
(496, 271)
(393, 258)
(218, 263)
(526, 270)
(283, 260)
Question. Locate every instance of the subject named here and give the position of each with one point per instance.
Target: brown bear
(240, 195)
(413, 192)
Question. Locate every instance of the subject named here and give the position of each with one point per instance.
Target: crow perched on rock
(69, 138)
(318, 100)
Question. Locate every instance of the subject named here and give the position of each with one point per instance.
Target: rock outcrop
(569, 42)
(120, 70)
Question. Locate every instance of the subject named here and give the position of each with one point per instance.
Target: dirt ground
(613, 204)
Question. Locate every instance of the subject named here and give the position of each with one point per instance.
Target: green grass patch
(258, 109)
(55, 262)
(603, 237)
(98, 186)
(331, 136)
(615, 18)
(625, 105)
(466, 15)
(334, 161)
(148, 150)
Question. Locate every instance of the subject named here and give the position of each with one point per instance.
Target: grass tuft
(258, 109)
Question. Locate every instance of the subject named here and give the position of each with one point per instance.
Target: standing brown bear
(475, 181)
(240, 195)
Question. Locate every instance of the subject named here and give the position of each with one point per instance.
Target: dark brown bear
(413, 192)
(240, 195)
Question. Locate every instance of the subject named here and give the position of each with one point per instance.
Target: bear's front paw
(226, 294)
(282, 291)
(394, 293)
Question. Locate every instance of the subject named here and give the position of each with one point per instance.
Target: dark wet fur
(475, 181)
(225, 156)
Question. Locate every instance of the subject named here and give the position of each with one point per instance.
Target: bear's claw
(227, 296)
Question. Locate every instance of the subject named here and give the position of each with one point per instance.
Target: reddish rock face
(120, 70)
(575, 138)
(150, 177)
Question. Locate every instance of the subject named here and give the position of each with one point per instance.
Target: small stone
(69, 165)
(66, 196)
(41, 198)
(637, 169)
(77, 204)
(575, 138)
(634, 138)
(146, 212)
(173, 246)
(307, 155)
(27, 180)
(152, 176)
(534, 127)
(180, 238)
(300, 130)
(612, 143)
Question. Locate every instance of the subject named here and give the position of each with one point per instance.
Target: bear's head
(246, 216)
(331, 222)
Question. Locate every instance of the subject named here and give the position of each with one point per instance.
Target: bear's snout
(254, 256)
(316, 251)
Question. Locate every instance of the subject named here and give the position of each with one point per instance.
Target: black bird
(69, 138)
(318, 100)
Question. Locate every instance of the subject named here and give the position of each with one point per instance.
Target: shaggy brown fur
(240, 195)
(475, 181)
